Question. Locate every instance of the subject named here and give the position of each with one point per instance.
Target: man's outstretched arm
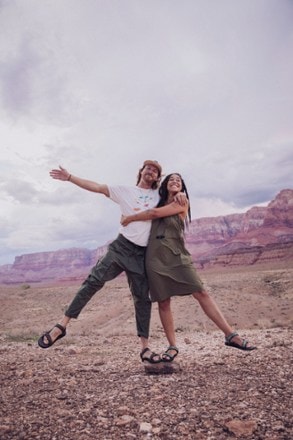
(89, 185)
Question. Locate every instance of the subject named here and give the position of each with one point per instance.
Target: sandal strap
(153, 354)
(144, 351)
(167, 355)
(231, 336)
(151, 357)
(49, 339)
(63, 329)
(172, 347)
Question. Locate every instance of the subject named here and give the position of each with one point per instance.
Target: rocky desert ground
(92, 385)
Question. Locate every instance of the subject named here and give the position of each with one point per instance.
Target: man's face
(150, 174)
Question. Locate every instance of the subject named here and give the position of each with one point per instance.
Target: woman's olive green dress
(168, 263)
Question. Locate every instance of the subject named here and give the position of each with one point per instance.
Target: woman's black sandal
(243, 346)
(50, 342)
(151, 359)
(167, 357)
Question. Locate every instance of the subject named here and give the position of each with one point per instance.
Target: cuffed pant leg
(105, 270)
(142, 304)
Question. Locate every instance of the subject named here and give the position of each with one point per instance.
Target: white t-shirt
(133, 199)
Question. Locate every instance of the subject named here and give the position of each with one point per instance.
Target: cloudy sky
(203, 86)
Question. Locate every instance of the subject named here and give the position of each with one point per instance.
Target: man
(125, 254)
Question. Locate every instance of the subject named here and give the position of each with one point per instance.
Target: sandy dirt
(92, 385)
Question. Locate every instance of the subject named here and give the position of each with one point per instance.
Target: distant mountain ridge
(261, 235)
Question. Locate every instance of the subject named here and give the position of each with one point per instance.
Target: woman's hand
(125, 220)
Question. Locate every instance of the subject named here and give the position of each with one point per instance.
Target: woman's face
(174, 183)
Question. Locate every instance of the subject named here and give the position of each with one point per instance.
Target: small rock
(156, 422)
(242, 428)
(145, 427)
(161, 367)
(72, 351)
(122, 410)
(124, 420)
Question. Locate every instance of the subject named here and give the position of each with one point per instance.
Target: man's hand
(181, 199)
(61, 174)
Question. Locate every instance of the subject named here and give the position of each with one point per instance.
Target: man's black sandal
(151, 359)
(43, 344)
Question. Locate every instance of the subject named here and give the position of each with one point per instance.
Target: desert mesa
(260, 236)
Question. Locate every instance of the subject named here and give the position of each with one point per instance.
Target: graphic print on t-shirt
(143, 201)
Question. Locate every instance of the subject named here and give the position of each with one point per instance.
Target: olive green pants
(122, 256)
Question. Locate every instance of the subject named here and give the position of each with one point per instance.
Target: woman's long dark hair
(163, 192)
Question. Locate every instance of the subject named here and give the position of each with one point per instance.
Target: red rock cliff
(261, 235)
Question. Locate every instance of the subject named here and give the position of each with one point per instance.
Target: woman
(169, 265)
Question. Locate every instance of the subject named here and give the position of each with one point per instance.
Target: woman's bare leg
(212, 310)
(167, 321)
